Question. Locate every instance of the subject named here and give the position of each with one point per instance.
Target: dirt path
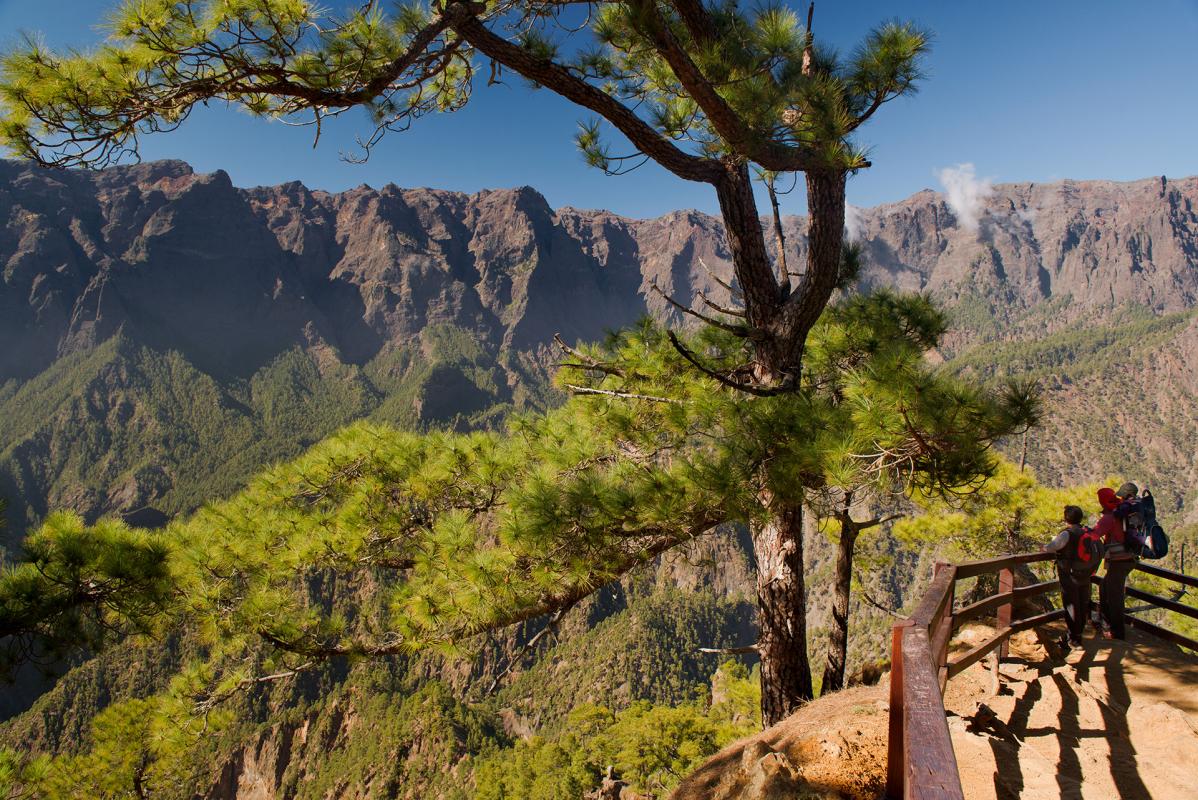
(1116, 719)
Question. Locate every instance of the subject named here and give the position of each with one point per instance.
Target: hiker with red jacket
(1077, 559)
(1119, 560)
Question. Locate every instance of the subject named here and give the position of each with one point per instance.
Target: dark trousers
(1111, 594)
(1075, 599)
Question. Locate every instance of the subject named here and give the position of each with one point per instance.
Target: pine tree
(74, 586)
(936, 410)
(706, 91)
(1010, 513)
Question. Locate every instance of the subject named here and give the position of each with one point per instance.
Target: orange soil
(1115, 719)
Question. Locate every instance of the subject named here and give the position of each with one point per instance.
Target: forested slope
(148, 370)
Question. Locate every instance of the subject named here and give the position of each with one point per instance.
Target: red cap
(1108, 499)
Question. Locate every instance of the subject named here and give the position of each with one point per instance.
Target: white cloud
(965, 192)
(854, 224)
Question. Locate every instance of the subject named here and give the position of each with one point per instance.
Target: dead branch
(624, 395)
(550, 627)
(586, 360)
(730, 651)
(731, 289)
(739, 330)
(732, 312)
(866, 596)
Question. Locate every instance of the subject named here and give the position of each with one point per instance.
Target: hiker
(1129, 507)
(1119, 559)
(1079, 552)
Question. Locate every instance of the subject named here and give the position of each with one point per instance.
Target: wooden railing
(1162, 602)
(920, 758)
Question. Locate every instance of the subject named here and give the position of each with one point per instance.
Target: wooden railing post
(941, 634)
(895, 755)
(1006, 585)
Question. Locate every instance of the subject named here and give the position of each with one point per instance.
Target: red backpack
(1089, 549)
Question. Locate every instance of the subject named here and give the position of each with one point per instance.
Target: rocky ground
(1116, 719)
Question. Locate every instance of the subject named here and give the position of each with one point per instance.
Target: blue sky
(1023, 90)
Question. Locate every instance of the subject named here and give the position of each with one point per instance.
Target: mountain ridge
(350, 284)
(359, 268)
(192, 332)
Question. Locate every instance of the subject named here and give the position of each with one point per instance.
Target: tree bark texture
(750, 259)
(825, 241)
(781, 609)
(842, 582)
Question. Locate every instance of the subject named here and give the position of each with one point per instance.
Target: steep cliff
(151, 311)
(167, 334)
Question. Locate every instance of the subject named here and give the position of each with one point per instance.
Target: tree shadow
(1069, 733)
(1123, 764)
(1008, 773)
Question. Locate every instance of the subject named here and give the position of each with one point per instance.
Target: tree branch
(587, 361)
(872, 523)
(625, 395)
(726, 381)
(698, 22)
(731, 651)
(732, 312)
(556, 77)
(550, 626)
(733, 291)
(727, 123)
(869, 600)
(740, 330)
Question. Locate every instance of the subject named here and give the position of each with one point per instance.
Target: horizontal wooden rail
(931, 768)
(920, 758)
(1168, 574)
(1161, 633)
(971, 569)
(976, 654)
(1163, 602)
(983, 608)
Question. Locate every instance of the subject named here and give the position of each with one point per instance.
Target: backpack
(1150, 536)
(1089, 550)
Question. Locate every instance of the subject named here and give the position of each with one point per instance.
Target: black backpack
(1147, 535)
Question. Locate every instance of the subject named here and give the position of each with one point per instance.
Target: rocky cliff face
(1098, 244)
(229, 281)
(230, 277)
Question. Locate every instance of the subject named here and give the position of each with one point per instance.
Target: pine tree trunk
(842, 582)
(781, 608)
(782, 319)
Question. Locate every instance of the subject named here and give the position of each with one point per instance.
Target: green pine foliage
(652, 747)
(381, 544)
(466, 533)
(283, 58)
(1011, 512)
(78, 585)
(1076, 353)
